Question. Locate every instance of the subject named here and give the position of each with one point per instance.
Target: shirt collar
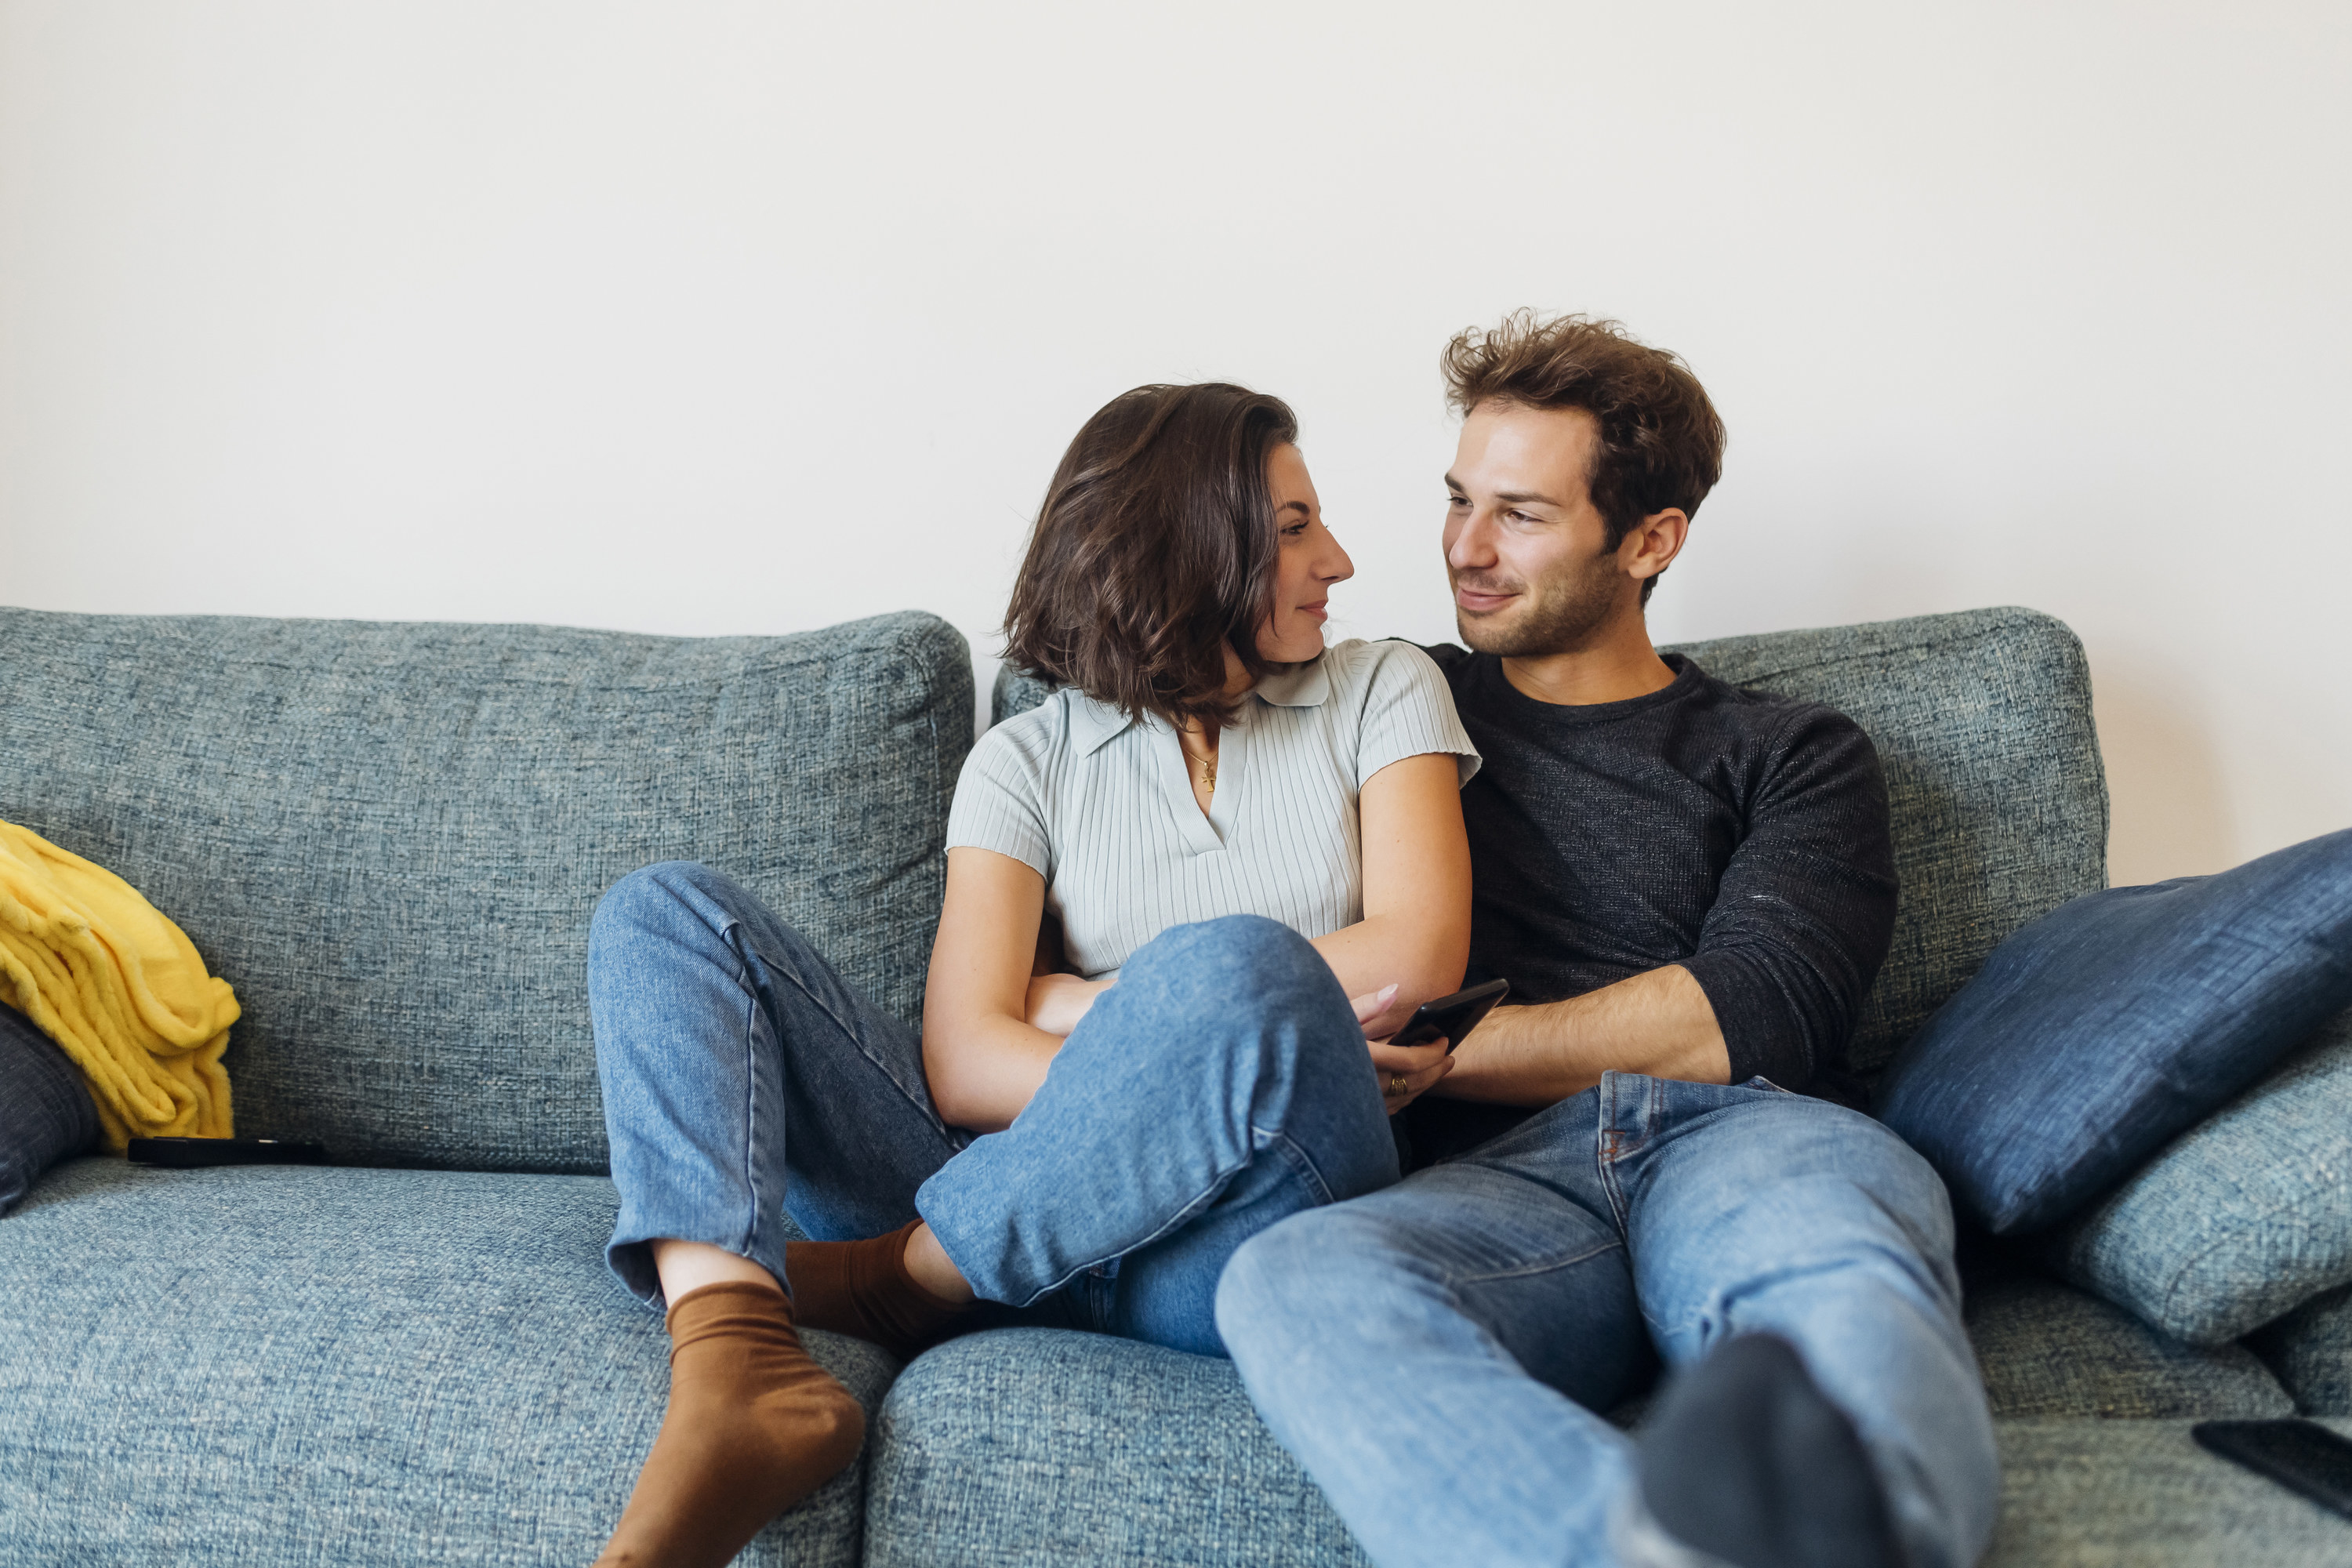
(1305, 684)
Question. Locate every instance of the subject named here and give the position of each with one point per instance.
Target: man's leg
(1221, 1085)
(1752, 1211)
(1434, 1354)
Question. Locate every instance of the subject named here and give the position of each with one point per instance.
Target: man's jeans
(1434, 1354)
(1220, 1086)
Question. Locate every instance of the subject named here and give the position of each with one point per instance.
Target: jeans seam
(856, 1037)
(1528, 1270)
(1191, 1210)
(751, 1104)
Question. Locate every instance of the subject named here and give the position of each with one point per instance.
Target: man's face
(1524, 543)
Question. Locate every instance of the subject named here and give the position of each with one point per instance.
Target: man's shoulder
(1765, 716)
(1453, 660)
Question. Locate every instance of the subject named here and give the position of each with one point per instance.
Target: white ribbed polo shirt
(1102, 806)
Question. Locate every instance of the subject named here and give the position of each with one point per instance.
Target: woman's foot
(866, 1290)
(754, 1425)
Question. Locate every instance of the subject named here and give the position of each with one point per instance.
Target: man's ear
(1650, 546)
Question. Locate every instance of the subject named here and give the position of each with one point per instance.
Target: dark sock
(753, 1425)
(1745, 1460)
(862, 1288)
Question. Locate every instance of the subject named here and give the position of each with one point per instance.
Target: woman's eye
(1294, 530)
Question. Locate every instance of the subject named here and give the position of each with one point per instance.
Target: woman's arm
(983, 1059)
(1416, 926)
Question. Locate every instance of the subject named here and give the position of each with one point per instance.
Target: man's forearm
(1659, 1023)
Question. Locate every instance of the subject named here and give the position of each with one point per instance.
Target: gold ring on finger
(1397, 1085)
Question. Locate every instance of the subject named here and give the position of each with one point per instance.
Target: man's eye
(1457, 501)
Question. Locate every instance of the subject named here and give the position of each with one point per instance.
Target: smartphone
(2300, 1455)
(189, 1154)
(1449, 1018)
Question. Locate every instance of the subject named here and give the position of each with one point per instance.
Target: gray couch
(389, 839)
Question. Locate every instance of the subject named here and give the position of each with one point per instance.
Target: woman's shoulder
(1360, 669)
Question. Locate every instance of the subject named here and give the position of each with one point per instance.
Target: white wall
(696, 317)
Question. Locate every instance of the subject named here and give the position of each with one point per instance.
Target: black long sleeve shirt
(1741, 836)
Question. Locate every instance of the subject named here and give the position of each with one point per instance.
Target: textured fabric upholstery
(2140, 1494)
(1982, 721)
(267, 1365)
(1038, 1446)
(389, 837)
(2046, 1349)
(2311, 1350)
(2242, 1219)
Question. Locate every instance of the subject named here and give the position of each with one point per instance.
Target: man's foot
(1746, 1463)
(754, 1425)
(862, 1288)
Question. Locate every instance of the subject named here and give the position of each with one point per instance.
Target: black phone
(1449, 1018)
(2300, 1455)
(190, 1153)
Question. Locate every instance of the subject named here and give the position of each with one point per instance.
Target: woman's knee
(1250, 960)
(660, 894)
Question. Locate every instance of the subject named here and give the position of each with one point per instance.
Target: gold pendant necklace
(1208, 765)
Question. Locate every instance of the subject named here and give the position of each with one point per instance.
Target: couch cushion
(1982, 721)
(300, 1365)
(45, 1112)
(2311, 1350)
(1048, 1446)
(389, 837)
(2086, 1493)
(2107, 1028)
(2244, 1217)
(2046, 1349)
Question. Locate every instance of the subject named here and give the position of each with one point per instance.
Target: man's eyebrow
(1514, 497)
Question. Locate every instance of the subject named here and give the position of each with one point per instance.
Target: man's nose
(1474, 545)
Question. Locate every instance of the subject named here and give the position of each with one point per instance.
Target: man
(1689, 888)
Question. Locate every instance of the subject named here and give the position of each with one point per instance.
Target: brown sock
(862, 1288)
(753, 1427)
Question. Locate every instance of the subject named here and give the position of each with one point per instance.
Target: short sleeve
(1408, 712)
(1000, 799)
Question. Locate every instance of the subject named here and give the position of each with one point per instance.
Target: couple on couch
(1188, 899)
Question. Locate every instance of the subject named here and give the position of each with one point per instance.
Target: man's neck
(1617, 667)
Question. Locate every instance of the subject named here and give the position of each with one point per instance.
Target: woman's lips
(1316, 610)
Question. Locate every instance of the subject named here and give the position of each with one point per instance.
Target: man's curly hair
(1661, 441)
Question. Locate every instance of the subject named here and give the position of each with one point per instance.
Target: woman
(1209, 790)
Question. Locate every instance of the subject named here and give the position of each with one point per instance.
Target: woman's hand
(1057, 1002)
(1406, 1072)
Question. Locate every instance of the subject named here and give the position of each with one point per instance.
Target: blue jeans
(1434, 1354)
(1220, 1086)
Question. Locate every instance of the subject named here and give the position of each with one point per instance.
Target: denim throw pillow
(2112, 1024)
(2244, 1217)
(45, 1112)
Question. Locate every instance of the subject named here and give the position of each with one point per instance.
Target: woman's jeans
(1220, 1086)
(1434, 1354)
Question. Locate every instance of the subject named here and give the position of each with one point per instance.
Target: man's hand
(1057, 1002)
(1406, 1071)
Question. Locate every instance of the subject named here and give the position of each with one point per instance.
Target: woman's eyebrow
(1290, 505)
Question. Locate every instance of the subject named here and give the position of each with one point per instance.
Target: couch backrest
(1982, 721)
(389, 837)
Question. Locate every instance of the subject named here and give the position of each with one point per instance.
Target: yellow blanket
(99, 971)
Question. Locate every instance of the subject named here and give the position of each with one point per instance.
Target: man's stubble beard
(1567, 620)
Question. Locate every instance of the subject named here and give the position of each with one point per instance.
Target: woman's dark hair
(1660, 441)
(1154, 551)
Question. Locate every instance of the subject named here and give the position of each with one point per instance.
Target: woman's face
(1309, 562)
